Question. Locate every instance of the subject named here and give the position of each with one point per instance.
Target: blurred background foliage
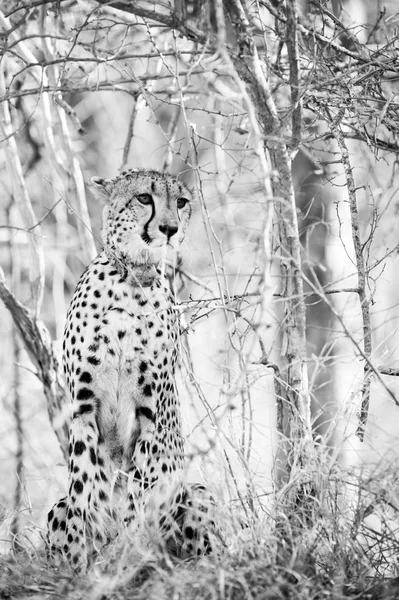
(93, 89)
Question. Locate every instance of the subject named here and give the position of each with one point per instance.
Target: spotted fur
(119, 354)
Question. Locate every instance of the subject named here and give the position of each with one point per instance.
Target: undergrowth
(337, 539)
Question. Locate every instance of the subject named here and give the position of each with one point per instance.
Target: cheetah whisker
(163, 260)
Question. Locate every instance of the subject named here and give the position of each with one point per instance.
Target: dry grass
(339, 541)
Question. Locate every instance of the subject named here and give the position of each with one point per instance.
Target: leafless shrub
(284, 118)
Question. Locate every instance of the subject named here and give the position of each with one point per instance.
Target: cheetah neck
(136, 275)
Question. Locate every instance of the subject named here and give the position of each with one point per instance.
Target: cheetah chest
(135, 352)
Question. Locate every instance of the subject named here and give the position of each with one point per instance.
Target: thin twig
(171, 137)
(361, 271)
(293, 58)
(58, 99)
(15, 524)
(278, 391)
(137, 104)
(389, 371)
(169, 19)
(372, 368)
(44, 217)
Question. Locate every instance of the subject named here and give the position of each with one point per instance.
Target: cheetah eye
(181, 202)
(144, 199)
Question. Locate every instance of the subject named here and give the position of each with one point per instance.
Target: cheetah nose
(168, 230)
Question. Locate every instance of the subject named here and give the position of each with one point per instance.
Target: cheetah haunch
(119, 355)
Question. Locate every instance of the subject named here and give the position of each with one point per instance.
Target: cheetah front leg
(56, 528)
(140, 478)
(155, 471)
(87, 512)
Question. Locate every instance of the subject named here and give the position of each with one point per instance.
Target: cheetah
(119, 353)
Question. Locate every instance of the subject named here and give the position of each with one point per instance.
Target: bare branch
(367, 359)
(69, 169)
(293, 56)
(137, 104)
(22, 199)
(171, 137)
(29, 6)
(169, 19)
(361, 270)
(58, 99)
(37, 341)
(389, 371)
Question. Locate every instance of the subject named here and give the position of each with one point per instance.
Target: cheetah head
(146, 214)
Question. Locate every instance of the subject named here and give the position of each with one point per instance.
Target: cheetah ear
(100, 188)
